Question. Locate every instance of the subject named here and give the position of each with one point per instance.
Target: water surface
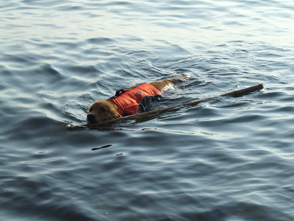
(225, 159)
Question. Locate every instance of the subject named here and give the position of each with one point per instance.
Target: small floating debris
(105, 146)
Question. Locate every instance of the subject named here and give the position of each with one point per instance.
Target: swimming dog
(135, 99)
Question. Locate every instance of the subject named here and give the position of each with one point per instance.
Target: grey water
(227, 159)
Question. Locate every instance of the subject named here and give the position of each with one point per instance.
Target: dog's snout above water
(91, 118)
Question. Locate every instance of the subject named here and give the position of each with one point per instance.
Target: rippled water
(225, 159)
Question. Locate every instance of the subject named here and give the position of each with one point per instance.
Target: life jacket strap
(119, 92)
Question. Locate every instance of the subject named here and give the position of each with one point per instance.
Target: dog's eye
(102, 109)
(91, 109)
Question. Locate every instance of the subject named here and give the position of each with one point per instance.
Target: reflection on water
(224, 159)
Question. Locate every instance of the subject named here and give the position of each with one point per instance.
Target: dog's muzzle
(91, 118)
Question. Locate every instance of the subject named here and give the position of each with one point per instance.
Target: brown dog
(130, 101)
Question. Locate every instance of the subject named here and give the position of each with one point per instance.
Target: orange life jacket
(129, 100)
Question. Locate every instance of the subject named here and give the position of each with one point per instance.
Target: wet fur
(105, 110)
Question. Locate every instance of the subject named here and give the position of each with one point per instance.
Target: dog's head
(102, 110)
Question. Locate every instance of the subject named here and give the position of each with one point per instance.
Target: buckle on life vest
(119, 92)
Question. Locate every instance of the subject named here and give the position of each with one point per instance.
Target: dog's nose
(91, 118)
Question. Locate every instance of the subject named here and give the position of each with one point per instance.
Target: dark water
(228, 159)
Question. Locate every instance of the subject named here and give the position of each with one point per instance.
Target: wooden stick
(159, 111)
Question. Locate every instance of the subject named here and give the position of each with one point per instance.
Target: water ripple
(224, 159)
